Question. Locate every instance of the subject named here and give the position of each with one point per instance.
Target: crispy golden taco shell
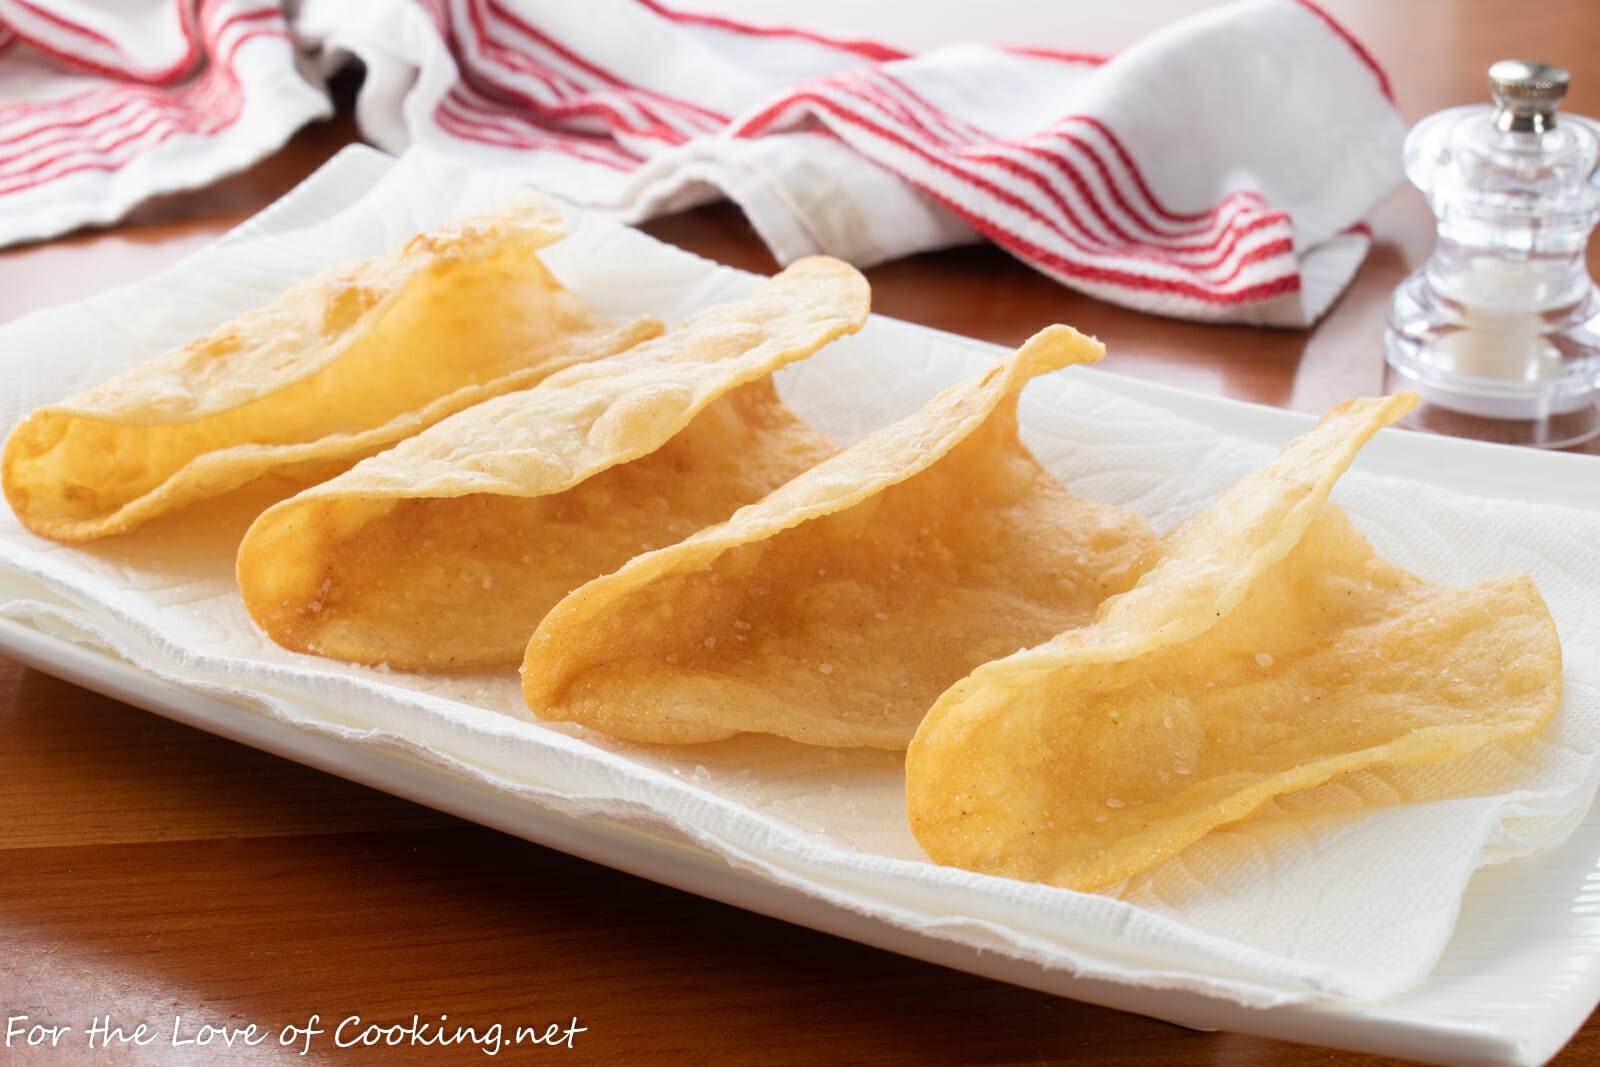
(337, 367)
(834, 611)
(1267, 649)
(446, 551)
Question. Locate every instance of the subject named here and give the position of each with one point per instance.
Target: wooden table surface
(147, 869)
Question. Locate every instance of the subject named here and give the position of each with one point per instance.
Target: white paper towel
(1349, 891)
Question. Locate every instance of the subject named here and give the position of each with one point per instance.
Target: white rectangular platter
(1520, 975)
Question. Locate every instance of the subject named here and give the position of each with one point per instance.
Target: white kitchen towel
(1347, 892)
(103, 106)
(1217, 170)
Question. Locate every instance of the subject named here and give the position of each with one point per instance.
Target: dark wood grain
(148, 869)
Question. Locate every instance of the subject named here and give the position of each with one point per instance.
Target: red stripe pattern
(105, 128)
(522, 89)
(558, 93)
(1068, 199)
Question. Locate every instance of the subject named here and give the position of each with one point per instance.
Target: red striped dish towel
(1217, 170)
(103, 105)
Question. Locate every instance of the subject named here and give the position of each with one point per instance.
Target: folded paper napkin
(1345, 892)
(1218, 170)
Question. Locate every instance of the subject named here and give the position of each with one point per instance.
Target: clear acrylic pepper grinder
(1500, 329)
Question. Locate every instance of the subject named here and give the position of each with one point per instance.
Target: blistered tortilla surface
(1267, 649)
(444, 552)
(339, 366)
(834, 611)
